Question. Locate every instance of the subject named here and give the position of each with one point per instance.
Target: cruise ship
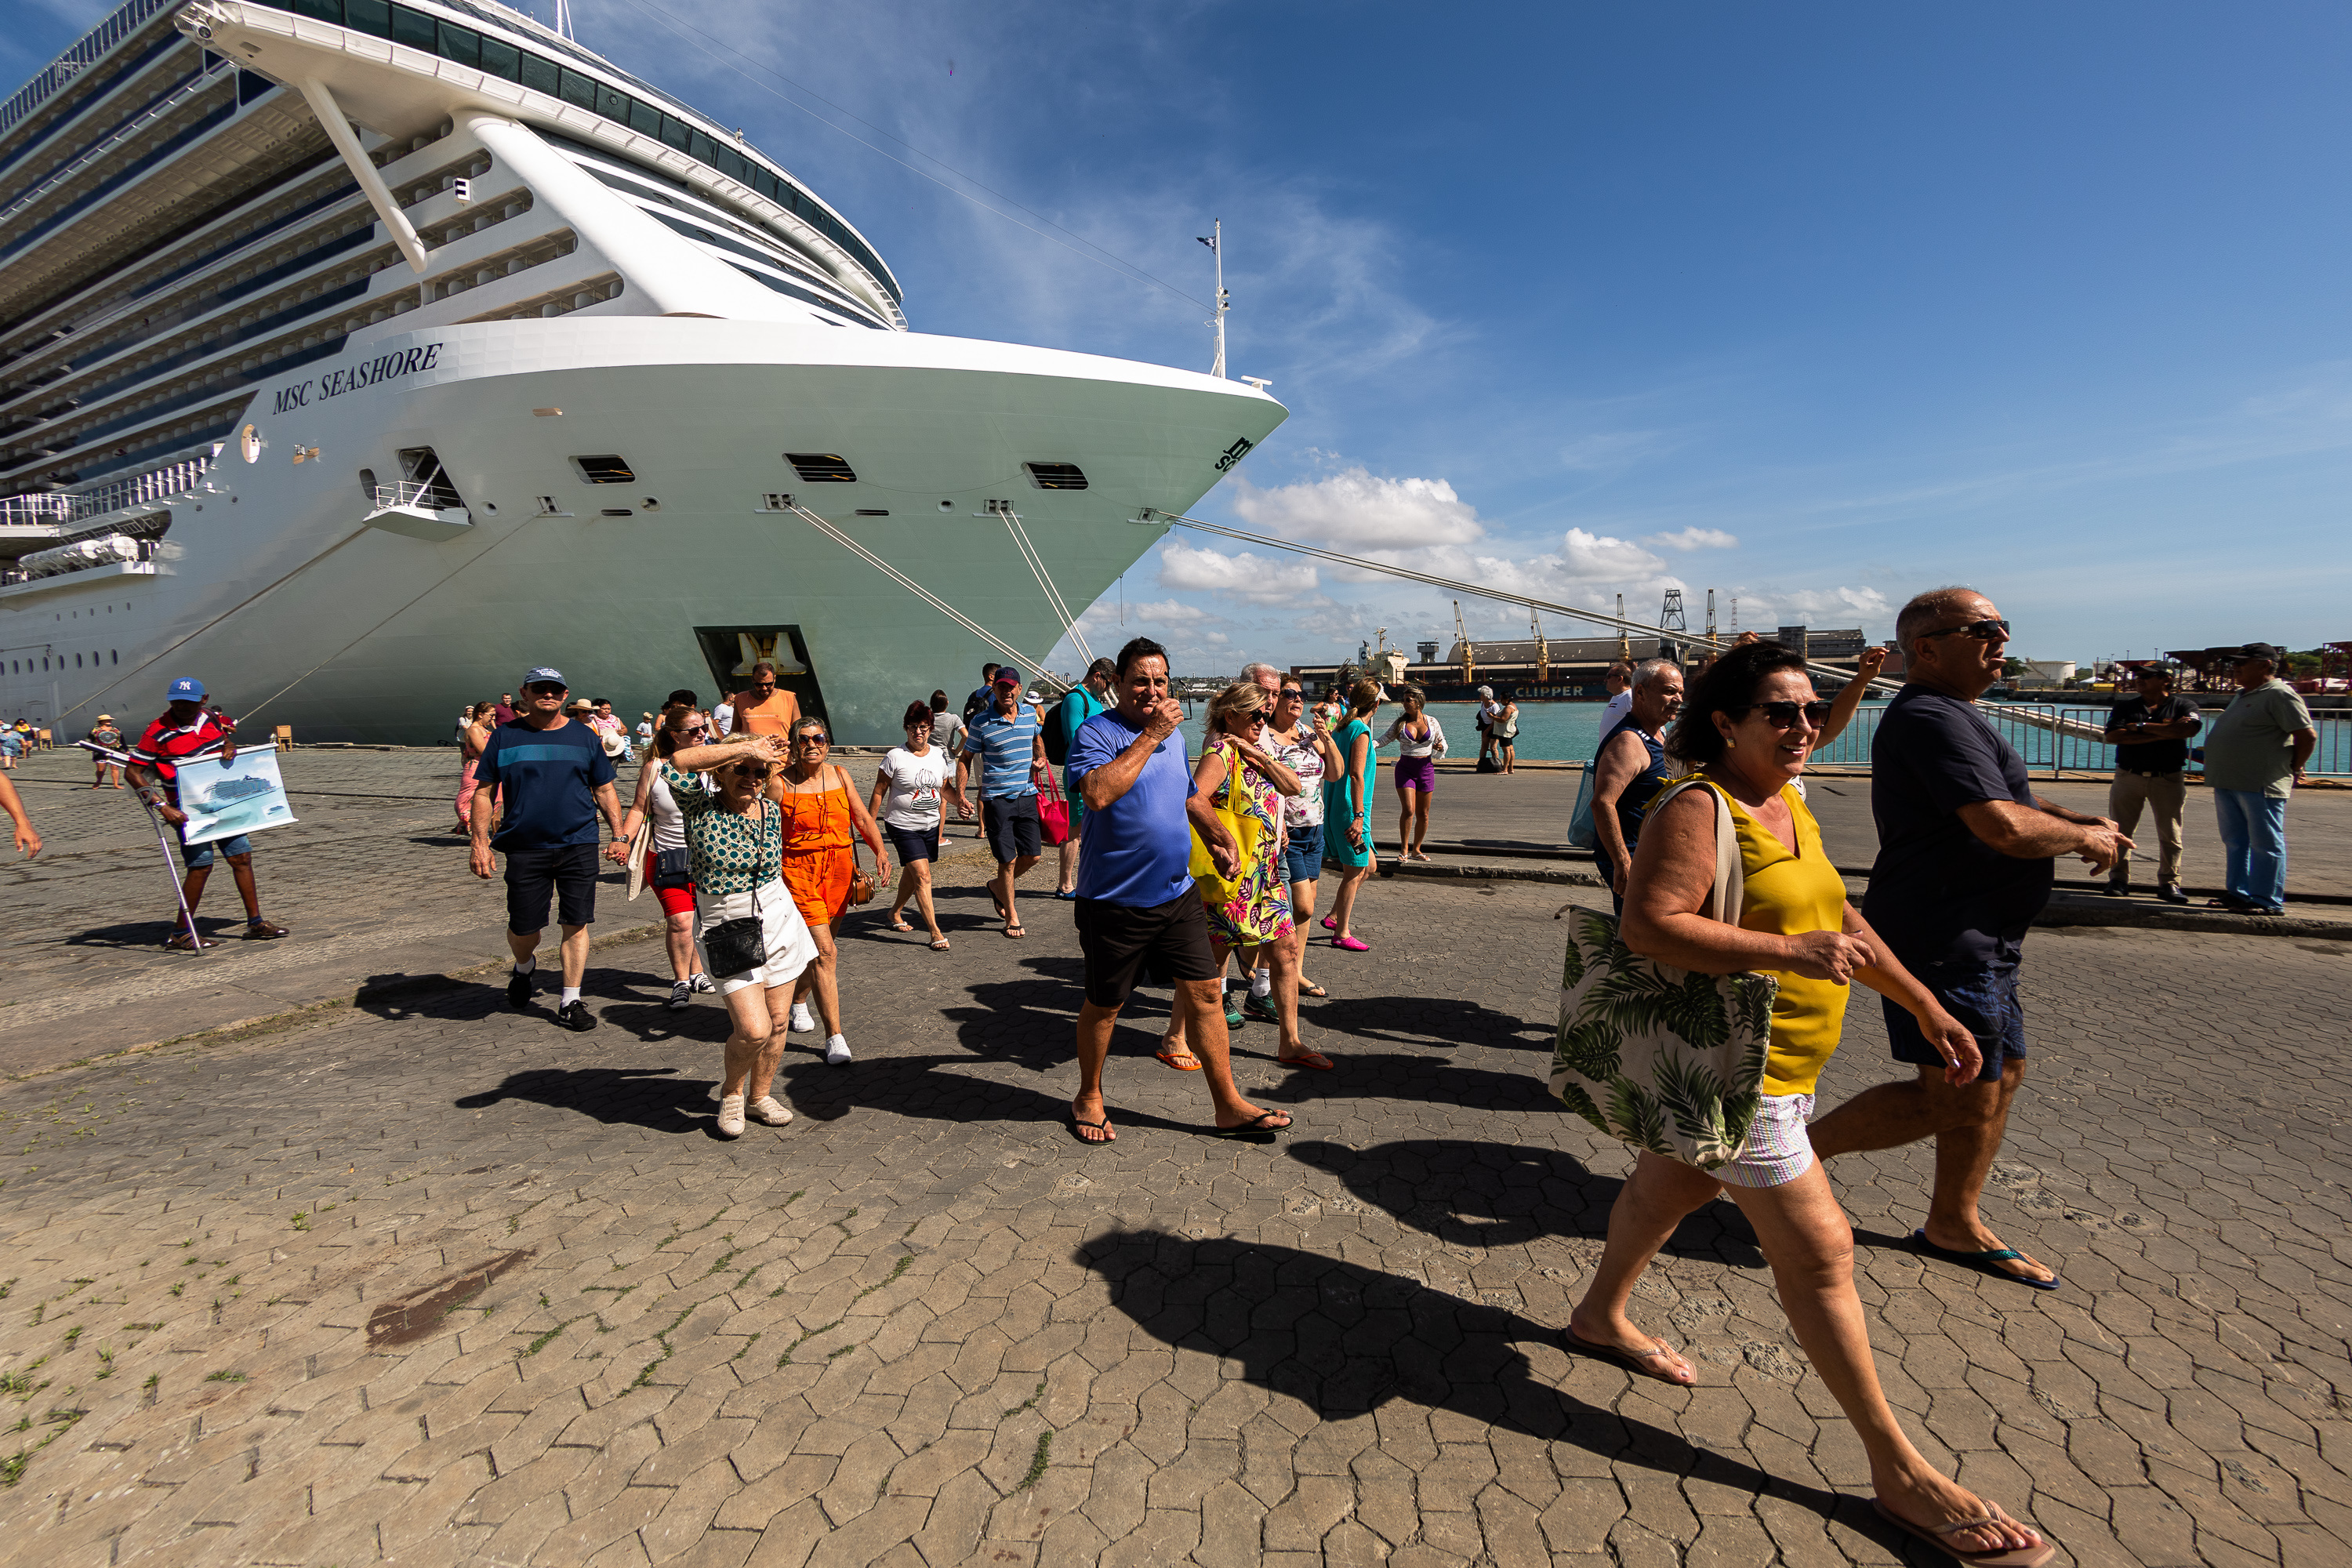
(356, 357)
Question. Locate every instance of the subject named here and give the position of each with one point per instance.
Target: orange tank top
(818, 820)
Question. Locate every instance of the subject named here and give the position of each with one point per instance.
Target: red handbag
(1053, 812)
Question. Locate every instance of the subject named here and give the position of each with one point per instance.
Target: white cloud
(1689, 539)
(1255, 578)
(1600, 558)
(1170, 613)
(1353, 508)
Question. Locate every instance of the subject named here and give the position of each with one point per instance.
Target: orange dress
(818, 860)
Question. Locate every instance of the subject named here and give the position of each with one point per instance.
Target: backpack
(1058, 736)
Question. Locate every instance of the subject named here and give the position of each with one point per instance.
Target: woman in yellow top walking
(1746, 728)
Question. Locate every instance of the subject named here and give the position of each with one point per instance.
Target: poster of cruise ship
(357, 356)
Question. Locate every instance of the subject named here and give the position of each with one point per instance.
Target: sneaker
(2170, 893)
(1233, 1011)
(702, 982)
(1263, 1007)
(837, 1051)
(1352, 945)
(803, 1021)
(680, 995)
(575, 1017)
(519, 987)
(769, 1111)
(730, 1116)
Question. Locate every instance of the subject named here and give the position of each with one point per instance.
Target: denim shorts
(1983, 997)
(197, 857)
(1302, 857)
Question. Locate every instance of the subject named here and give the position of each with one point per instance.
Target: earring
(1731, 742)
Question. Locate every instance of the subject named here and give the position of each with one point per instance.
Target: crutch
(163, 834)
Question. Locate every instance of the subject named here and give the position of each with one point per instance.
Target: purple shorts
(1417, 772)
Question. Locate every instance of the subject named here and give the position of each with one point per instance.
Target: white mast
(563, 19)
(1214, 240)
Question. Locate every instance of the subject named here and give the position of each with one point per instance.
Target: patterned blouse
(731, 853)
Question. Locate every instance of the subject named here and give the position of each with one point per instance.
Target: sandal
(897, 925)
(1315, 1059)
(1308, 988)
(1936, 1536)
(938, 944)
(1260, 1125)
(1079, 1124)
(182, 943)
(1187, 1062)
(1986, 1262)
(1632, 1360)
(258, 929)
(1015, 930)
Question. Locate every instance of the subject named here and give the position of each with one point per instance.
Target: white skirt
(790, 949)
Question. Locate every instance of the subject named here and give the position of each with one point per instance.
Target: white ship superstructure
(357, 356)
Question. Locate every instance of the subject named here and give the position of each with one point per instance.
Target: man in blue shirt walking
(1138, 908)
(555, 778)
(1011, 751)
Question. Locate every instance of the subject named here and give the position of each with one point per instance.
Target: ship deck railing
(63, 509)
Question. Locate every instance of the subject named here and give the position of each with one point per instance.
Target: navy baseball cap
(187, 688)
(1007, 676)
(544, 674)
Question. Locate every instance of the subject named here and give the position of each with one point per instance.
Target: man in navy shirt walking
(1965, 852)
(552, 777)
(1137, 904)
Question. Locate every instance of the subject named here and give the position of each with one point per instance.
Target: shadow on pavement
(927, 1087)
(1421, 1020)
(1471, 1193)
(657, 1098)
(1344, 1340)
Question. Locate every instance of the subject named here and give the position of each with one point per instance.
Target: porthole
(249, 443)
(946, 506)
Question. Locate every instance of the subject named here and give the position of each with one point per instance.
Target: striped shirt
(1006, 748)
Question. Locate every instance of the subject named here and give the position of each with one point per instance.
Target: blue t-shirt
(1140, 847)
(1938, 894)
(1006, 748)
(548, 780)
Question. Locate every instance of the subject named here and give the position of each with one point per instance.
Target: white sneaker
(803, 1021)
(700, 981)
(770, 1111)
(837, 1051)
(680, 995)
(730, 1116)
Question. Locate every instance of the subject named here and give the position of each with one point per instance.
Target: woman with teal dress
(1347, 806)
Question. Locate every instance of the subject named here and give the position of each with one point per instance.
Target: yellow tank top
(1789, 895)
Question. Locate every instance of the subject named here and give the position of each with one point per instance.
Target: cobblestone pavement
(431, 1281)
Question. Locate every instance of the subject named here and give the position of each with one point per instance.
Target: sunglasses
(1784, 715)
(1983, 631)
(751, 771)
(545, 690)
(811, 739)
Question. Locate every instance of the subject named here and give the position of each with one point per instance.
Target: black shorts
(1122, 942)
(568, 870)
(1011, 824)
(912, 846)
(1983, 997)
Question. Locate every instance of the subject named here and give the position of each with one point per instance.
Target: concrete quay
(418, 1278)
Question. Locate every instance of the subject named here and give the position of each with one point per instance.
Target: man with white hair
(1630, 766)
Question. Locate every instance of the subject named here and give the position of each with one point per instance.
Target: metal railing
(86, 52)
(62, 510)
(2067, 748)
(129, 131)
(418, 493)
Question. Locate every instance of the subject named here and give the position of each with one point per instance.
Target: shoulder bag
(1218, 889)
(861, 882)
(1666, 1059)
(1054, 811)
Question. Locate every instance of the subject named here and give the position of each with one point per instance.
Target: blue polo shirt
(1140, 847)
(549, 778)
(1006, 747)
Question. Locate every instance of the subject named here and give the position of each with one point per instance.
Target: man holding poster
(187, 730)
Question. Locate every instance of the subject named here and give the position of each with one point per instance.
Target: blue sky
(1814, 305)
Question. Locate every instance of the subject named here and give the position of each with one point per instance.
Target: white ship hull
(293, 610)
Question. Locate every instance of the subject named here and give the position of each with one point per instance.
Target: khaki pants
(2167, 795)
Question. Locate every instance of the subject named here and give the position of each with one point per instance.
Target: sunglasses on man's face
(1983, 631)
(545, 690)
(1784, 715)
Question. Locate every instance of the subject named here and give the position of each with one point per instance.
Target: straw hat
(106, 718)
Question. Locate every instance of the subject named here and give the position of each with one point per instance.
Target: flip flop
(901, 925)
(1015, 930)
(1985, 1262)
(1307, 989)
(1077, 1123)
(1935, 1536)
(940, 945)
(1257, 1126)
(1632, 1360)
(1315, 1059)
(1190, 1063)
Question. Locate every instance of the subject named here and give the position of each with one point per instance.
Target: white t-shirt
(661, 810)
(1431, 743)
(722, 719)
(913, 804)
(1616, 708)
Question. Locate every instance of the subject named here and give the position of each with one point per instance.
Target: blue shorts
(198, 857)
(1302, 857)
(1983, 998)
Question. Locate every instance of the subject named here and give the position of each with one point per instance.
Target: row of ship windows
(495, 56)
(823, 468)
(114, 656)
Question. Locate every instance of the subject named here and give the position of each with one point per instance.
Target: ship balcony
(418, 511)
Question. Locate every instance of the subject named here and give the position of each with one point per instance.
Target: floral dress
(1259, 910)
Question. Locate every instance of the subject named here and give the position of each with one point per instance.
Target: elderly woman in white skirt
(735, 836)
